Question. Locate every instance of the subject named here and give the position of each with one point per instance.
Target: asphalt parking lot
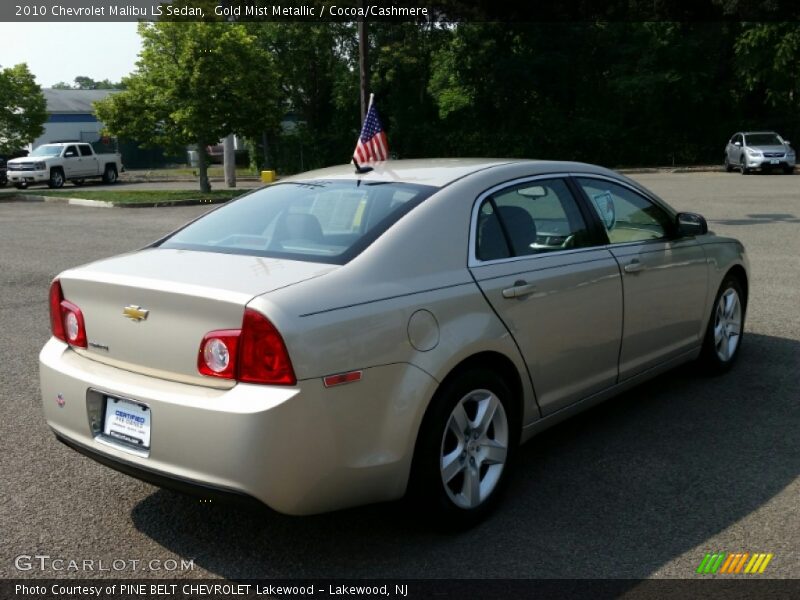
(641, 486)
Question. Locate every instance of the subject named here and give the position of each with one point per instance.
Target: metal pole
(363, 64)
(229, 160)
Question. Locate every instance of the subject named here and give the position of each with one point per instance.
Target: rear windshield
(316, 221)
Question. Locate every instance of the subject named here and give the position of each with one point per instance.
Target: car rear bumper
(300, 450)
(185, 486)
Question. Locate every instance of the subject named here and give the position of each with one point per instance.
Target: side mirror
(787, 143)
(691, 224)
(737, 143)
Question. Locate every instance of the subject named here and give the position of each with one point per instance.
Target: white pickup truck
(68, 161)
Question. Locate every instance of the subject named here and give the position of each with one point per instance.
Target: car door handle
(634, 266)
(519, 289)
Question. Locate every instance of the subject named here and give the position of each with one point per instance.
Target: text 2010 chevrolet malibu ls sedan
(342, 338)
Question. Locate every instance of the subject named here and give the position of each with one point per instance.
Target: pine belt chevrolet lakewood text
(342, 338)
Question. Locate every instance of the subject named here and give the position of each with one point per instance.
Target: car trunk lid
(147, 312)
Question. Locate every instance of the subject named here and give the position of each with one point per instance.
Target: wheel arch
(740, 273)
(500, 364)
(492, 360)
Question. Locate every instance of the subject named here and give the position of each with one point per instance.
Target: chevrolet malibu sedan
(344, 337)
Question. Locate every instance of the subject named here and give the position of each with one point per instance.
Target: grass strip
(142, 196)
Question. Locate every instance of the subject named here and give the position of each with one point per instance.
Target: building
(70, 116)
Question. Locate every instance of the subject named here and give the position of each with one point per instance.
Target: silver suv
(758, 150)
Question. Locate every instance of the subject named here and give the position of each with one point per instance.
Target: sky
(63, 51)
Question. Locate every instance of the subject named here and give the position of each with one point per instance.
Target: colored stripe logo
(734, 563)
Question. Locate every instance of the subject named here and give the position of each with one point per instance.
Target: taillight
(255, 353)
(56, 324)
(217, 356)
(66, 319)
(263, 357)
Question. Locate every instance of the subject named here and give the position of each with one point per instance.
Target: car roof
(439, 172)
(753, 132)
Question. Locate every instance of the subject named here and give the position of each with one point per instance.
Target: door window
(85, 150)
(626, 215)
(71, 152)
(530, 218)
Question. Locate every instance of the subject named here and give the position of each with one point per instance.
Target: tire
(725, 331)
(78, 182)
(788, 170)
(728, 166)
(56, 178)
(461, 460)
(110, 175)
(744, 170)
(21, 186)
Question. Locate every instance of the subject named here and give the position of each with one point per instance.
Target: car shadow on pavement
(616, 492)
(760, 219)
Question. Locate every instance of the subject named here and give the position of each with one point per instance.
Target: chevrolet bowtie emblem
(135, 313)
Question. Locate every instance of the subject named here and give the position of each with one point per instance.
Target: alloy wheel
(474, 448)
(727, 325)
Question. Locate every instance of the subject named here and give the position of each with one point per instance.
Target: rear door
(558, 291)
(664, 278)
(88, 163)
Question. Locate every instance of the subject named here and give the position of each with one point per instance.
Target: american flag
(372, 143)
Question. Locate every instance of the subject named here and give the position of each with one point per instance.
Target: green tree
(23, 109)
(401, 61)
(768, 58)
(81, 82)
(318, 87)
(195, 83)
(618, 93)
(87, 83)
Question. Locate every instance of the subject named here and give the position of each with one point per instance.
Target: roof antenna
(359, 169)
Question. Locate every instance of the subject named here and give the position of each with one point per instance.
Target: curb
(178, 178)
(645, 170)
(103, 204)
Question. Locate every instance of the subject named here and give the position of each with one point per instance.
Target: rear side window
(318, 221)
(531, 218)
(85, 150)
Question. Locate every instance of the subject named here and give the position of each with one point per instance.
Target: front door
(664, 278)
(71, 162)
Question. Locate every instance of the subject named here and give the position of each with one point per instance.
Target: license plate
(774, 162)
(127, 422)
